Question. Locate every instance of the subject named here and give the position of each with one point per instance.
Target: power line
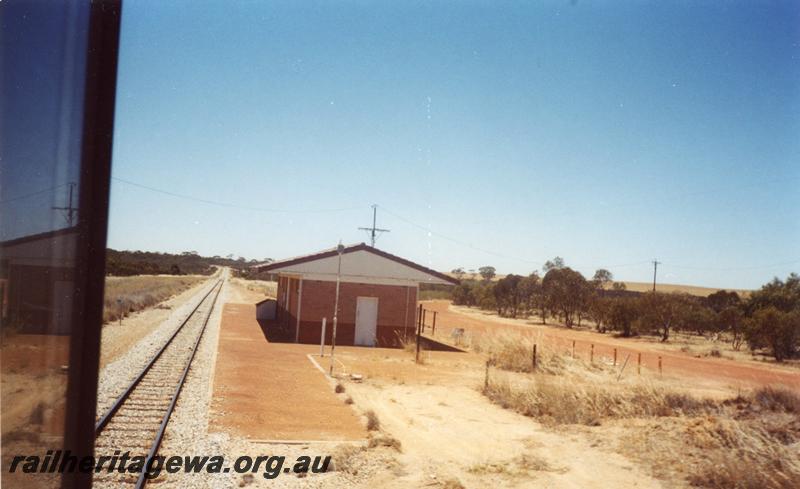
(734, 269)
(494, 253)
(574, 266)
(462, 243)
(33, 194)
(228, 204)
(373, 230)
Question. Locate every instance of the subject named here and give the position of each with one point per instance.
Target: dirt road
(452, 432)
(710, 372)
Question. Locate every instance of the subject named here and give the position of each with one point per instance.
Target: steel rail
(122, 398)
(165, 420)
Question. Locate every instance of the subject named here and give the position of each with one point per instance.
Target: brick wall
(396, 310)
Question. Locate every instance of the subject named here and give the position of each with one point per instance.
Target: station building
(378, 295)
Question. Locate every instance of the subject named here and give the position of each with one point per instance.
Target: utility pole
(374, 230)
(70, 212)
(339, 249)
(656, 263)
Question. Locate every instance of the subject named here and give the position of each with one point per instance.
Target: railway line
(137, 420)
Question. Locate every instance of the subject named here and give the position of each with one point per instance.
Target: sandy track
(454, 432)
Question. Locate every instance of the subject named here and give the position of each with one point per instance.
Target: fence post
(623, 367)
(639, 364)
(573, 348)
(322, 339)
(433, 331)
(424, 313)
(419, 323)
(615, 357)
(591, 353)
(486, 377)
(534, 356)
(659, 366)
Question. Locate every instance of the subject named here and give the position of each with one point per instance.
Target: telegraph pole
(70, 212)
(656, 263)
(339, 249)
(374, 230)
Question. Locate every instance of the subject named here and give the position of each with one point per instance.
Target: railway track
(137, 420)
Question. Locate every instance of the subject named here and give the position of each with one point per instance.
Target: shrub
(373, 423)
(385, 441)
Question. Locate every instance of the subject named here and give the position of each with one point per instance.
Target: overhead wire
(229, 204)
(621, 265)
(33, 194)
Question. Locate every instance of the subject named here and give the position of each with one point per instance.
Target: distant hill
(124, 263)
(640, 286)
(686, 289)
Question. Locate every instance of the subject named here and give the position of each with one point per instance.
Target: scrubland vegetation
(124, 295)
(126, 263)
(747, 441)
(768, 320)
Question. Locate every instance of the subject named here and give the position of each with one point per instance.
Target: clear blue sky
(608, 133)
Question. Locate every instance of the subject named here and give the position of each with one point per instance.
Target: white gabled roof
(360, 263)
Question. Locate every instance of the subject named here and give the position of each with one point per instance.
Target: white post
(339, 248)
(322, 339)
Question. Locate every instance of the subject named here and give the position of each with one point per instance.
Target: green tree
(602, 278)
(463, 294)
(722, 299)
(659, 313)
(776, 330)
(782, 295)
(600, 311)
(622, 313)
(566, 293)
(529, 287)
(509, 295)
(555, 263)
(487, 272)
(731, 319)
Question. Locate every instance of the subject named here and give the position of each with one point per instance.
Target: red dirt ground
(272, 391)
(729, 373)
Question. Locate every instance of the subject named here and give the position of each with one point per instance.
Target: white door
(366, 320)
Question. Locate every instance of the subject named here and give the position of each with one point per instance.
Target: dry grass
(567, 401)
(712, 441)
(514, 353)
(750, 441)
(521, 465)
(263, 287)
(345, 458)
(384, 440)
(409, 345)
(452, 484)
(124, 295)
